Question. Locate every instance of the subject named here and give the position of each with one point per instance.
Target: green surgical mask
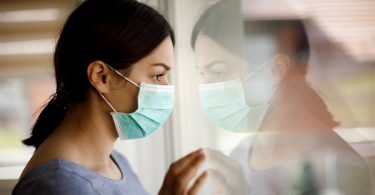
(225, 105)
(155, 104)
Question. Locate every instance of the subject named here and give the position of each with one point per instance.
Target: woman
(112, 58)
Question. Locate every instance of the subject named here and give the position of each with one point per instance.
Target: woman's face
(215, 63)
(153, 69)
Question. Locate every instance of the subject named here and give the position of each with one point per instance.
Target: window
(27, 36)
(247, 40)
(339, 69)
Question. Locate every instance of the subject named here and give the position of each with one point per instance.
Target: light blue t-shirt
(63, 177)
(329, 168)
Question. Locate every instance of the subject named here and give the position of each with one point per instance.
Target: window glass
(283, 89)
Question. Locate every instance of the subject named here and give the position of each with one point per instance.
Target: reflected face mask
(155, 104)
(225, 105)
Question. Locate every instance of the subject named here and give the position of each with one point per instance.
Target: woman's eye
(219, 74)
(202, 74)
(158, 77)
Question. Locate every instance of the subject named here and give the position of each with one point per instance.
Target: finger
(214, 173)
(181, 164)
(173, 177)
(191, 169)
(182, 180)
(198, 184)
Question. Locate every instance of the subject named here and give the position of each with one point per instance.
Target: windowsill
(11, 172)
(361, 140)
(15, 160)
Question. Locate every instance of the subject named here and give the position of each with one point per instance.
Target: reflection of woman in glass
(112, 62)
(295, 150)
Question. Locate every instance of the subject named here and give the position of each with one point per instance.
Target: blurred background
(341, 69)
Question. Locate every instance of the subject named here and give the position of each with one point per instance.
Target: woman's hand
(181, 172)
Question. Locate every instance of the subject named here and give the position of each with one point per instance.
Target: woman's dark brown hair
(117, 32)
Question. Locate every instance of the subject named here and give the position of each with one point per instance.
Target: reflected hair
(301, 49)
(223, 23)
(117, 32)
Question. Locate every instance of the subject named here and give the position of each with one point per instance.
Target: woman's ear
(98, 75)
(281, 66)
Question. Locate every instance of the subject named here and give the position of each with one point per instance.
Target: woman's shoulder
(242, 149)
(123, 163)
(119, 157)
(53, 177)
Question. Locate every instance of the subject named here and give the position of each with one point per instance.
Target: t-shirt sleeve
(59, 183)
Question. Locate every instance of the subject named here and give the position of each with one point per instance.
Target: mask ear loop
(109, 104)
(253, 73)
(261, 67)
(271, 95)
(117, 72)
(274, 88)
(126, 78)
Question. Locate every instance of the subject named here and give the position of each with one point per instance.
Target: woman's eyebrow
(209, 65)
(162, 65)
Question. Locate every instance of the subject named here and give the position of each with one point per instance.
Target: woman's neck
(86, 134)
(86, 137)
